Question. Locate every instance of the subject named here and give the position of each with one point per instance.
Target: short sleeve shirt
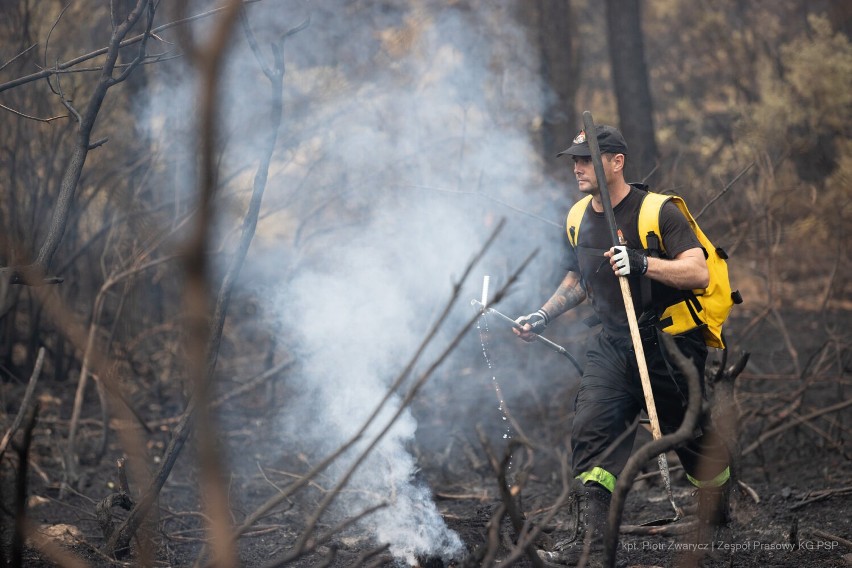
(598, 279)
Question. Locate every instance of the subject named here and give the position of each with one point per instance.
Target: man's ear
(618, 162)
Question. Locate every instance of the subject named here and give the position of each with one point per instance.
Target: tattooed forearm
(569, 294)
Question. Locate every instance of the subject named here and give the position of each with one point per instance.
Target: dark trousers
(610, 398)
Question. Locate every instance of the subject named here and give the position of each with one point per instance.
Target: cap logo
(581, 137)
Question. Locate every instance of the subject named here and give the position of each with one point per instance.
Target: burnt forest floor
(801, 478)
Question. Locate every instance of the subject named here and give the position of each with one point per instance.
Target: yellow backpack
(708, 307)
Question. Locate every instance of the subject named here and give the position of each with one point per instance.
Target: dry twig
(832, 537)
(814, 496)
(796, 420)
(25, 402)
(507, 496)
(23, 451)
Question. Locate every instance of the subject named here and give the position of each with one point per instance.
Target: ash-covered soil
(796, 511)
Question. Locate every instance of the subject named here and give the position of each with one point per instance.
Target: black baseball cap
(609, 140)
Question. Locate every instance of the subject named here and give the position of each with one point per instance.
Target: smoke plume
(406, 130)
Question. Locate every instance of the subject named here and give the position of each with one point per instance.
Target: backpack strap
(649, 222)
(648, 227)
(575, 216)
(572, 228)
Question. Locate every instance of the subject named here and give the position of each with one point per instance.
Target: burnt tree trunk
(553, 30)
(633, 94)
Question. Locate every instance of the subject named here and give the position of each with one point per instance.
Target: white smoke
(380, 135)
(440, 118)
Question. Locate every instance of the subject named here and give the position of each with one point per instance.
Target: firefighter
(610, 396)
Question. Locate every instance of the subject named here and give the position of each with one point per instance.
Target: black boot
(589, 508)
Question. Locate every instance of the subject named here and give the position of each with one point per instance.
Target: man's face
(584, 171)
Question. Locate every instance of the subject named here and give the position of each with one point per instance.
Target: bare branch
(724, 190)
(74, 169)
(66, 321)
(25, 403)
(71, 457)
(652, 448)
(796, 420)
(311, 544)
(22, 115)
(21, 485)
(49, 33)
(21, 54)
(506, 494)
(529, 537)
(201, 338)
(141, 56)
(59, 67)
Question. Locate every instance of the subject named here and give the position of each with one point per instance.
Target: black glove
(538, 320)
(629, 261)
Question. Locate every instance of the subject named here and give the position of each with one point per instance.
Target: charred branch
(362, 558)
(793, 422)
(308, 545)
(71, 63)
(674, 529)
(103, 510)
(529, 536)
(74, 169)
(651, 449)
(98, 143)
(26, 403)
(724, 190)
(130, 439)
(489, 553)
(203, 343)
(724, 409)
(72, 459)
(508, 494)
(23, 451)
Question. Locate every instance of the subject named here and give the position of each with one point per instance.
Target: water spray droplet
(482, 325)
